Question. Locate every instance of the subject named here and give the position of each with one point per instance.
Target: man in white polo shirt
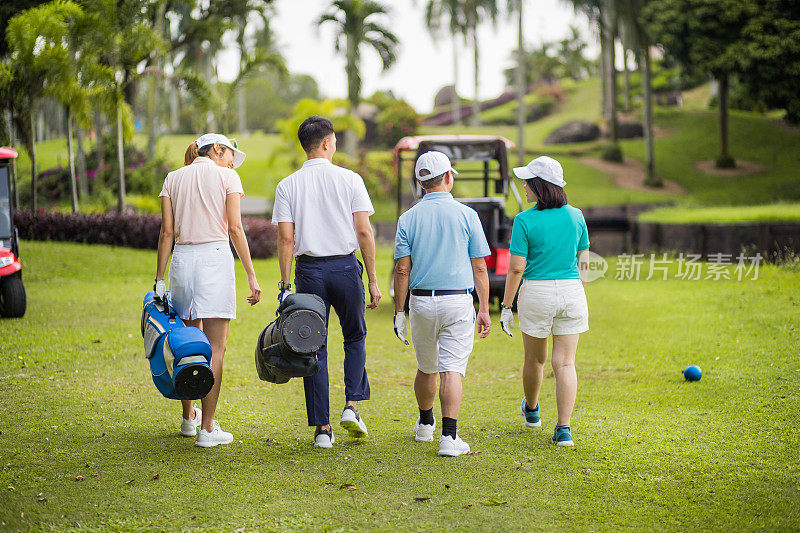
(440, 249)
(322, 212)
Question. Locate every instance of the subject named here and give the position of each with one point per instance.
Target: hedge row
(134, 231)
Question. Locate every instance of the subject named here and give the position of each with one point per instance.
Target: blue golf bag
(179, 355)
(287, 348)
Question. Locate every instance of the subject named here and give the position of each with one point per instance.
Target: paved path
(255, 206)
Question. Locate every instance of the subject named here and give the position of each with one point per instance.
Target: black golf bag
(287, 348)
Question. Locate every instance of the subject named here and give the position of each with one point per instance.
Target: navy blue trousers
(338, 282)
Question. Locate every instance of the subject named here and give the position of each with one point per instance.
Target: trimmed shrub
(612, 153)
(377, 170)
(134, 231)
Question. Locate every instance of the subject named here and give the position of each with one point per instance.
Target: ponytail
(191, 154)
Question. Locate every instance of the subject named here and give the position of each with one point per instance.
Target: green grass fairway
(87, 444)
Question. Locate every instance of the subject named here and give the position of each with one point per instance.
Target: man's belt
(315, 259)
(429, 292)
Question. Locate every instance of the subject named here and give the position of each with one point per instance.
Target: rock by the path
(574, 132)
(630, 130)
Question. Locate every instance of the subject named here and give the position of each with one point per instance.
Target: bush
(377, 169)
(134, 231)
(612, 153)
(142, 176)
(396, 118)
(54, 184)
(395, 121)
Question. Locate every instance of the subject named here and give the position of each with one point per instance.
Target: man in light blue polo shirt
(440, 249)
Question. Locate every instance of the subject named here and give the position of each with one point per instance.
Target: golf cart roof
(412, 143)
(7, 153)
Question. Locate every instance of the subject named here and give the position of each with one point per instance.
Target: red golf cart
(483, 183)
(12, 291)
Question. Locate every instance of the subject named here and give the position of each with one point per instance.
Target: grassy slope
(586, 186)
(690, 135)
(652, 451)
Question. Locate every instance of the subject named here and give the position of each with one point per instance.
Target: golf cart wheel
(12, 297)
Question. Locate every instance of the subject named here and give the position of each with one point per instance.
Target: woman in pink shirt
(199, 213)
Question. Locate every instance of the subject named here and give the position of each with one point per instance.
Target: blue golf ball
(692, 373)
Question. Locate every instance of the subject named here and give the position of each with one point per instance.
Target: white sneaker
(351, 421)
(424, 432)
(207, 439)
(189, 425)
(323, 440)
(451, 447)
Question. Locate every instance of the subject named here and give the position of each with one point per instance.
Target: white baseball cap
(543, 167)
(211, 138)
(434, 162)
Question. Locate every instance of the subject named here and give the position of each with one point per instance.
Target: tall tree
(636, 34)
(769, 57)
(357, 24)
(8, 10)
(706, 37)
(608, 28)
(121, 39)
(435, 11)
(38, 61)
(475, 12)
(520, 82)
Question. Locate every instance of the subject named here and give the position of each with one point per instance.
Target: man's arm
(402, 271)
(481, 277)
(366, 242)
(285, 249)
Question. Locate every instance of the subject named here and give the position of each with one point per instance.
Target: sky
(423, 66)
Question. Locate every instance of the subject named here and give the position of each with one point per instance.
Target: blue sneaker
(532, 419)
(562, 436)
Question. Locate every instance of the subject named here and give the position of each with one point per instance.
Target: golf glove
(160, 288)
(400, 327)
(507, 321)
(283, 294)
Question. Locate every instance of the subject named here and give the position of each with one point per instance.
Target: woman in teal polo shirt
(546, 241)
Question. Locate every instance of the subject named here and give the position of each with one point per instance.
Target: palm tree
(476, 11)
(640, 41)
(39, 62)
(356, 25)
(435, 10)
(119, 39)
(515, 6)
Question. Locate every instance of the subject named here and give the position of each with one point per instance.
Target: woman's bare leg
(564, 348)
(533, 369)
(216, 329)
(188, 405)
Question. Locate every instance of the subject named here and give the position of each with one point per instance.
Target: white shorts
(443, 331)
(202, 281)
(556, 306)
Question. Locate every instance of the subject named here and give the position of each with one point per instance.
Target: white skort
(202, 280)
(443, 332)
(556, 306)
